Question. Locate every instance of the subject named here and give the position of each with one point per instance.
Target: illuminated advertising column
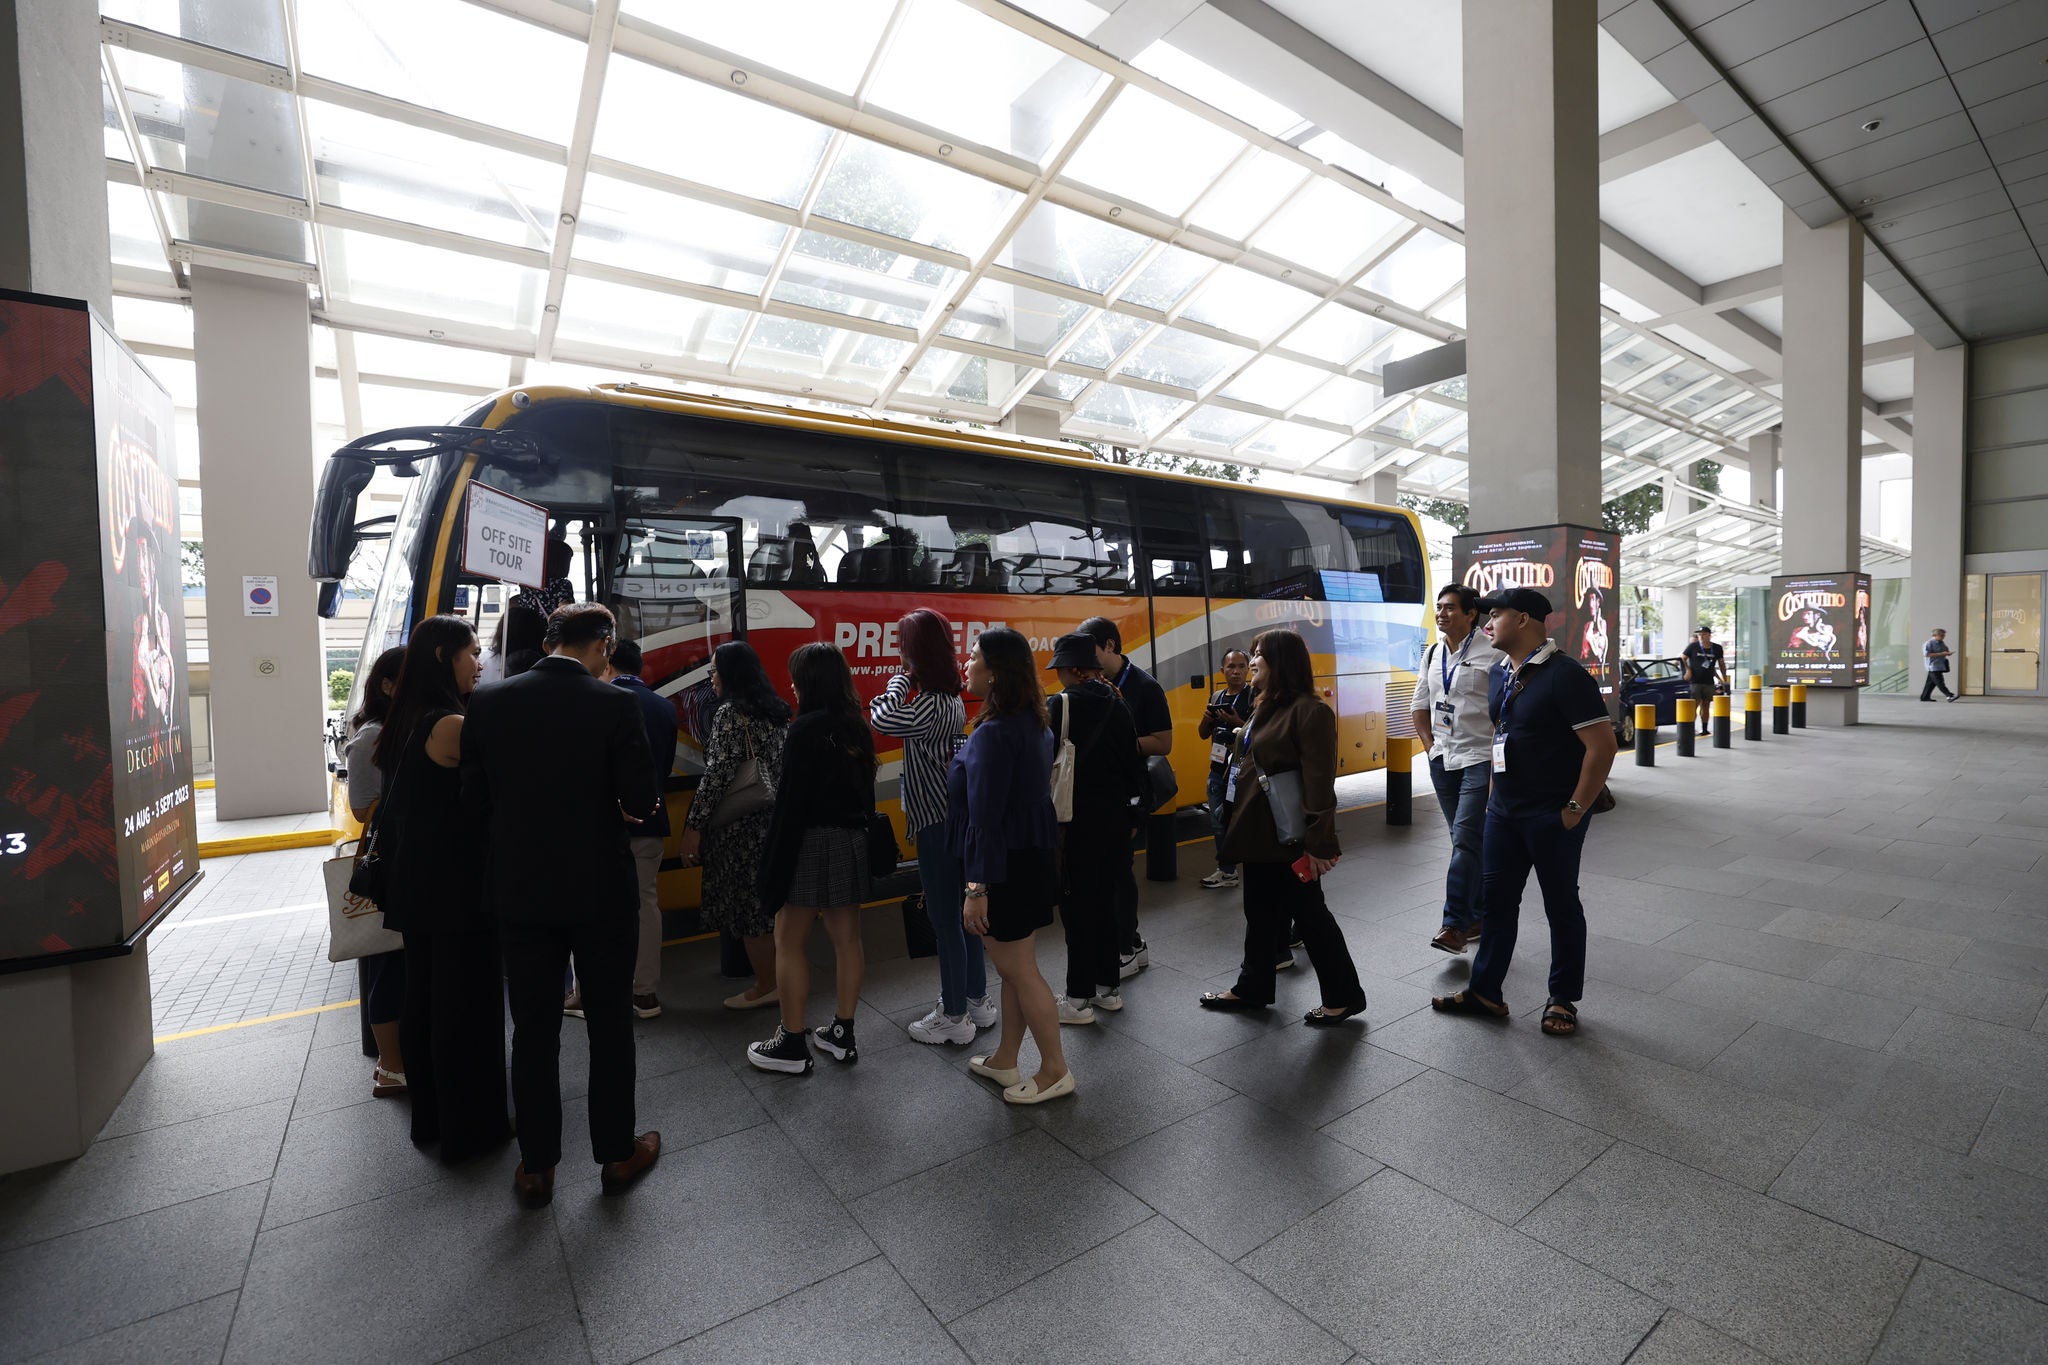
(1817, 630)
(1576, 567)
(98, 835)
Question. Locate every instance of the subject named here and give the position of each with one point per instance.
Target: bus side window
(1170, 538)
(1385, 545)
(990, 525)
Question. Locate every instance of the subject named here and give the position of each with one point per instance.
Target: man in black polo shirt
(1553, 744)
(1154, 718)
(1705, 664)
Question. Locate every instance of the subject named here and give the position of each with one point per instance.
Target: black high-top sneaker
(837, 1040)
(785, 1052)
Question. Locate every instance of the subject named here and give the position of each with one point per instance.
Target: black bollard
(1646, 736)
(1753, 714)
(1781, 711)
(1799, 706)
(1723, 738)
(1688, 724)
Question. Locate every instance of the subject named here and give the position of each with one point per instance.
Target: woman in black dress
(453, 1023)
(381, 975)
(816, 863)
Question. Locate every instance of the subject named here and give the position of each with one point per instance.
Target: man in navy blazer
(555, 767)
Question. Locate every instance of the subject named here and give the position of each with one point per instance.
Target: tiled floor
(1806, 1120)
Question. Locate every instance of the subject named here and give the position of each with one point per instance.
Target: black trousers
(1124, 904)
(1094, 864)
(452, 1028)
(536, 955)
(1935, 680)
(1274, 898)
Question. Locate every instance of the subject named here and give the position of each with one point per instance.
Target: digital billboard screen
(1817, 630)
(97, 829)
(1576, 567)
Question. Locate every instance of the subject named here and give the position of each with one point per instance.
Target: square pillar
(1532, 261)
(1941, 397)
(1383, 488)
(1763, 469)
(253, 342)
(53, 180)
(1681, 613)
(1823, 428)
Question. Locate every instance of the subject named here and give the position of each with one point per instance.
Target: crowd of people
(556, 773)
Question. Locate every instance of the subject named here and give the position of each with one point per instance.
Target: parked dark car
(1650, 682)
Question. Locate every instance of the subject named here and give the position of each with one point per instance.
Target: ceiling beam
(1654, 138)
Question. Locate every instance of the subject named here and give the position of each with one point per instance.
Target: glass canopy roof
(831, 200)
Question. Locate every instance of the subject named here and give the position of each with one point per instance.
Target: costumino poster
(1817, 628)
(1575, 567)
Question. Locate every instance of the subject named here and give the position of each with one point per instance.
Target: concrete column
(1681, 614)
(252, 339)
(1532, 261)
(90, 1023)
(1383, 488)
(1763, 469)
(1823, 431)
(1941, 396)
(53, 184)
(1037, 424)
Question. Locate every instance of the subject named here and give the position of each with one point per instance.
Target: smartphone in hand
(1304, 868)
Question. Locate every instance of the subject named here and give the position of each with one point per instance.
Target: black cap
(1075, 651)
(1517, 599)
(1703, 629)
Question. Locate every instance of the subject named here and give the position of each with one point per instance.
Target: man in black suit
(555, 766)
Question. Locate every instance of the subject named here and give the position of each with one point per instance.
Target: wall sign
(259, 594)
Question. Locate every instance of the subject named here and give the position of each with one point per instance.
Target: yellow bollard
(1753, 714)
(1722, 737)
(1799, 706)
(1646, 735)
(1688, 721)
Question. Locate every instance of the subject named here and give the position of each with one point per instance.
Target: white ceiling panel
(1704, 212)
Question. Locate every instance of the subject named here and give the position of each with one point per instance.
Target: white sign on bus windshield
(505, 538)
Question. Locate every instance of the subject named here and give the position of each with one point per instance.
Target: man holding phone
(1223, 720)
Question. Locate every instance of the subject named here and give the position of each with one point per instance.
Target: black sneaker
(1134, 961)
(837, 1040)
(786, 1052)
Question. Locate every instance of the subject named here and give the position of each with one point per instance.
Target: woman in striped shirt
(922, 707)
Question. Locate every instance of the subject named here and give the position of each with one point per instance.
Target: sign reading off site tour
(504, 537)
(1576, 567)
(1817, 627)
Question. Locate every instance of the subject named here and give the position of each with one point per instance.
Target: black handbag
(372, 874)
(883, 850)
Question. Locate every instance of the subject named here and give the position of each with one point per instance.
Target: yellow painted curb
(251, 1023)
(203, 784)
(269, 843)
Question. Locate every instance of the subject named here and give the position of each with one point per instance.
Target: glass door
(2013, 634)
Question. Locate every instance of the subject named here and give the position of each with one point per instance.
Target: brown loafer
(617, 1175)
(536, 1189)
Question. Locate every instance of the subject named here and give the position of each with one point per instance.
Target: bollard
(1756, 682)
(1722, 738)
(1646, 736)
(1781, 710)
(1753, 714)
(1799, 706)
(1688, 721)
(1401, 780)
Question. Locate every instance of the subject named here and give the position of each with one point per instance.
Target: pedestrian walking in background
(1553, 745)
(1937, 654)
(1450, 715)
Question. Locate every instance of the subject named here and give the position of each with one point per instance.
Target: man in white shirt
(1451, 716)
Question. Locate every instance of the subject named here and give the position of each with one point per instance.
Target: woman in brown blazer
(1290, 731)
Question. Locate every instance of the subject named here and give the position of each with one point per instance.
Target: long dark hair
(1289, 671)
(376, 706)
(1015, 690)
(747, 688)
(824, 686)
(426, 683)
(925, 640)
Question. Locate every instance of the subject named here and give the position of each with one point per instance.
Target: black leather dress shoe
(536, 1189)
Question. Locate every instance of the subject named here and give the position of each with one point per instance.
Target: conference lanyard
(1450, 665)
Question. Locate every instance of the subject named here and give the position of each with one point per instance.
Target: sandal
(1560, 1019)
(1464, 1002)
(1325, 1016)
(1216, 1000)
(385, 1084)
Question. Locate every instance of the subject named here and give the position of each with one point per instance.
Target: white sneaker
(982, 1011)
(1111, 1000)
(940, 1027)
(1075, 1011)
(1135, 961)
(1220, 880)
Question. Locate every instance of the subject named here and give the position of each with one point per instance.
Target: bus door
(678, 587)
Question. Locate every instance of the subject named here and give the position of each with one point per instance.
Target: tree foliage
(1453, 514)
(1177, 464)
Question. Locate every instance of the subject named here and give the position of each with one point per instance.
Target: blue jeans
(1462, 794)
(1516, 845)
(962, 973)
(1219, 812)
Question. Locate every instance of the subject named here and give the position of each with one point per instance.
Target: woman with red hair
(922, 707)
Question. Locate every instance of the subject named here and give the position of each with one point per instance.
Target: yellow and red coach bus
(700, 520)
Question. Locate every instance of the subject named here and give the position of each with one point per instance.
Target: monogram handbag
(355, 926)
(747, 794)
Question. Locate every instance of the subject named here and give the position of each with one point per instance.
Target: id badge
(1446, 716)
(1219, 752)
(1500, 753)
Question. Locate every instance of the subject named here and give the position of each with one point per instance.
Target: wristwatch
(976, 891)
(1575, 807)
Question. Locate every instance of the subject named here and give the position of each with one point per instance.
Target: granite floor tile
(1845, 1016)
(1718, 880)
(1790, 1284)
(866, 1313)
(1123, 1090)
(1049, 1204)
(1680, 1340)
(1660, 1026)
(1832, 900)
(1150, 1295)
(1932, 889)
(340, 1157)
(1373, 1268)
(1774, 953)
(1278, 1172)
(1498, 1155)
(2009, 925)
(89, 1283)
(2006, 961)
(178, 1086)
(1953, 1043)
(1497, 1055)
(1963, 1211)
(1311, 1075)
(686, 1107)
(1949, 989)
(2016, 1134)
(1958, 1319)
(1881, 937)
(557, 1341)
(709, 1234)
(1733, 1133)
